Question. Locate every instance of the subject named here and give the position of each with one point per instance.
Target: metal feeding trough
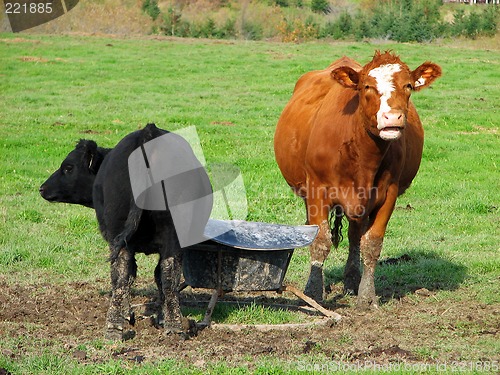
(243, 256)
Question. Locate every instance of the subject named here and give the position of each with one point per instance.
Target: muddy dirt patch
(70, 317)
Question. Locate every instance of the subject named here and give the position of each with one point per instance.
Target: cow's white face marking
(384, 75)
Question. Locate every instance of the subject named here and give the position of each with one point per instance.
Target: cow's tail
(336, 216)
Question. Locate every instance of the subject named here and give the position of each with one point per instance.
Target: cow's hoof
(314, 286)
(315, 292)
(349, 291)
(365, 303)
(351, 287)
(351, 284)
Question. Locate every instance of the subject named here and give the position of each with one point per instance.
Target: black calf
(99, 178)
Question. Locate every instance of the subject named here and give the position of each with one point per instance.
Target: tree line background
(296, 20)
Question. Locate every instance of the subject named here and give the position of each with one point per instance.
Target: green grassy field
(58, 89)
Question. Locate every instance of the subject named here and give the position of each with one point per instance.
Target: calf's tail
(131, 225)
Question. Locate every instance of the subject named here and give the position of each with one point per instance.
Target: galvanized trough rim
(251, 235)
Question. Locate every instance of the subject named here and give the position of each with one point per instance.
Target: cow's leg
(319, 249)
(352, 273)
(123, 271)
(170, 282)
(371, 246)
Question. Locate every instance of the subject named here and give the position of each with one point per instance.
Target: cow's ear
(425, 74)
(91, 158)
(346, 76)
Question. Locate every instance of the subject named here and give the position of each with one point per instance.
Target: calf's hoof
(188, 328)
(113, 332)
(174, 331)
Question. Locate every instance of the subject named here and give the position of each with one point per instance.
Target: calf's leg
(161, 296)
(123, 272)
(170, 282)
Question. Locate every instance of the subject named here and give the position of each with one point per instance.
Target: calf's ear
(90, 156)
(346, 76)
(425, 74)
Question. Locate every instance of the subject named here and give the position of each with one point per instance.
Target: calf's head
(73, 181)
(384, 86)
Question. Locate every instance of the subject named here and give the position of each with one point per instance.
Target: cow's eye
(67, 169)
(409, 86)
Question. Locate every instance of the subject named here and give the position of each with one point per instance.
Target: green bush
(251, 30)
(361, 27)
(208, 29)
(490, 17)
(281, 3)
(345, 23)
(339, 28)
(296, 29)
(311, 28)
(456, 27)
(228, 30)
(151, 8)
(406, 20)
(382, 21)
(414, 26)
(174, 25)
(330, 30)
(474, 24)
(320, 6)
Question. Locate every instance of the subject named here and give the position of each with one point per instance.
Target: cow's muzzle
(391, 125)
(45, 195)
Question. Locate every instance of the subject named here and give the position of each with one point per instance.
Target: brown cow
(350, 142)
